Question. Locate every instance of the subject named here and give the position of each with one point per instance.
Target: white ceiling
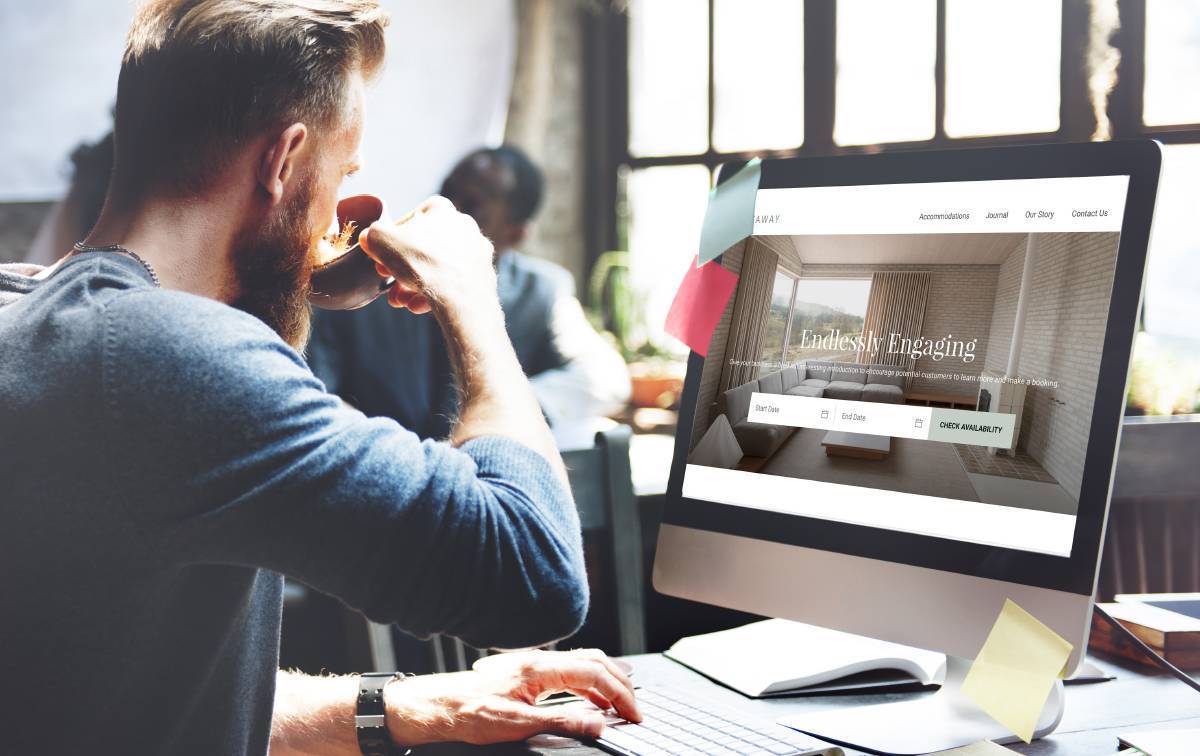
(903, 249)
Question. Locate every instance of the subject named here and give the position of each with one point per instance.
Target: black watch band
(369, 724)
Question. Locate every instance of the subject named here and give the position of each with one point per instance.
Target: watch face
(373, 740)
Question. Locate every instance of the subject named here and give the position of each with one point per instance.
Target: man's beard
(273, 265)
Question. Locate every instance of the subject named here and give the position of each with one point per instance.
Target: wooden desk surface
(1096, 714)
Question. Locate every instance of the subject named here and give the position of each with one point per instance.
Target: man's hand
(437, 256)
(497, 701)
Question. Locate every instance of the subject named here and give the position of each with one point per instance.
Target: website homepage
(916, 357)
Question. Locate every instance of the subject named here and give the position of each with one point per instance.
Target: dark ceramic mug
(350, 281)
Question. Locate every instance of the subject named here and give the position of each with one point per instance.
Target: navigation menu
(1075, 204)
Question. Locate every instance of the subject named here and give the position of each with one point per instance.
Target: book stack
(1169, 623)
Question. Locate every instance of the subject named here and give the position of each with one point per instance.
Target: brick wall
(1008, 285)
(710, 377)
(1064, 336)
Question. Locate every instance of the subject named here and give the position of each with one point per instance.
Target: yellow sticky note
(1015, 670)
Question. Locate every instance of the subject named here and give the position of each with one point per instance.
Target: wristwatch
(369, 724)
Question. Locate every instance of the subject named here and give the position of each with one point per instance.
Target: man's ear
(278, 162)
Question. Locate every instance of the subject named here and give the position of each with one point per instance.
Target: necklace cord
(80, 247)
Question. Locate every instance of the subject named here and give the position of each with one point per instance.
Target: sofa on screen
(817, 379)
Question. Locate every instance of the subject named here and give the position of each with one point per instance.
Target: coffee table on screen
(856, 445)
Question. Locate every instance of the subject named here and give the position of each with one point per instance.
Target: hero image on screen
(954, 371)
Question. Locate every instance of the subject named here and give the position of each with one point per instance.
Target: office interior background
(630, 107)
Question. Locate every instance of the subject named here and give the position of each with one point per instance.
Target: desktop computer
(910, 408)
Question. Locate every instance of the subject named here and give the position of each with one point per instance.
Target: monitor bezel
(1139, 160)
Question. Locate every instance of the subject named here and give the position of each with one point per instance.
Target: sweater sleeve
(245, 460)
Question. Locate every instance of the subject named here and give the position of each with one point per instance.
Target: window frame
(820, 83)
(790, 317)
(1125, 105)
(796, 292)
(787, 320)
(607, 108)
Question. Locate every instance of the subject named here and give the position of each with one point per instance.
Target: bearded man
(167, 456)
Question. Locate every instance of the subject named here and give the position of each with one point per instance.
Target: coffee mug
(350, 281)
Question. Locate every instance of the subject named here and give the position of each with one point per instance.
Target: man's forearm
(442, 262)
(496, 396)
(314, 715)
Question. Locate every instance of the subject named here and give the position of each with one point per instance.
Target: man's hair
(200, 79)
(528, 182)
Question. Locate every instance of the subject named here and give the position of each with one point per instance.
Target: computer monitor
(910, 408)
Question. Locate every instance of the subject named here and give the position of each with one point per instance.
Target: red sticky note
(699, 303)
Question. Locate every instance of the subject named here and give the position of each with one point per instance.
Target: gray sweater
(165, 458)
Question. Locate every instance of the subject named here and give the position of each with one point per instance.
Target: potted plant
(655, 372)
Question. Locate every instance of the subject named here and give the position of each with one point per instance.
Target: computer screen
(920, 358)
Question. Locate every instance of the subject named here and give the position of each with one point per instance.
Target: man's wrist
(465, 315)
(411, 716)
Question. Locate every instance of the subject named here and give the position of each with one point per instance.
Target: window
(1170, 41)
(805, 309)
(711, 81)
(1172, 89)
(775, 330)
(886, 53)
(666, 208)
(1002, 67)
(756, 103)
(823, 306)
(1173, 266)
(668, 77)
(758, 74)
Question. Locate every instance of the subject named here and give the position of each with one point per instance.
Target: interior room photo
(962, 289)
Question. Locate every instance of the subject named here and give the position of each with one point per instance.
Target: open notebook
(779, 657)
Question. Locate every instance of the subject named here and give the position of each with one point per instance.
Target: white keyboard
(674, 723)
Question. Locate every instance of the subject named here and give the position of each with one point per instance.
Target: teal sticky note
(730, 214)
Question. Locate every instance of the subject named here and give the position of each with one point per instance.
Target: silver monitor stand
(916, 606)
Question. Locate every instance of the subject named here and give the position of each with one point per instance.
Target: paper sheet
(1015, 670)
(730, 214)
(1163, 742)
(698, 305)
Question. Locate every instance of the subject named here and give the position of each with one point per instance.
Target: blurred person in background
(70, 219)
(396, 364)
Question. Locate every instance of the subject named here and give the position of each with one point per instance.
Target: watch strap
(370, 726)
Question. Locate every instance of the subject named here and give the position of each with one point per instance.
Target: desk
(1138, 699)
